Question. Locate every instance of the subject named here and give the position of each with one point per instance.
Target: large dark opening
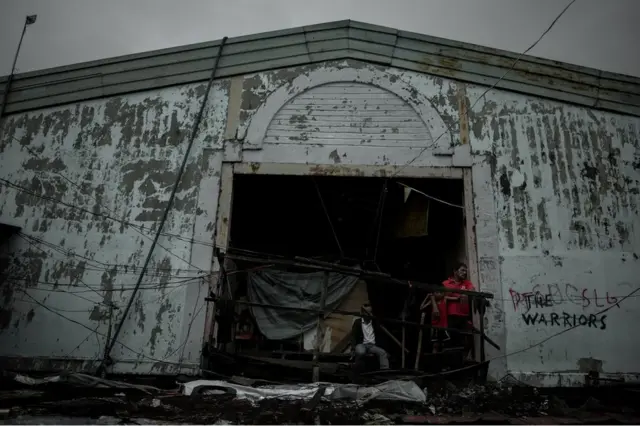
(409, 228)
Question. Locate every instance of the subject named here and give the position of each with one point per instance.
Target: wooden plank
(294, 169)
(419, 350)
(404, 316)
(342, 345)
(341, 324)
(320, 329)
(223, 220)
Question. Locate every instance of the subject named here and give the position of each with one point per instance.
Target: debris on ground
(83, 400)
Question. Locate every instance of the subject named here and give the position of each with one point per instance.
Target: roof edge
(319, 43)
(346, 23)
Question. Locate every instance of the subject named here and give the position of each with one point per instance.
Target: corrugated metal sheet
(317, 43)
(348, 114)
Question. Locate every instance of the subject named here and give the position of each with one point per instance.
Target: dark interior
(305, 215)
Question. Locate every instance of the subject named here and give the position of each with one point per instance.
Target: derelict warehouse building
(340, 140)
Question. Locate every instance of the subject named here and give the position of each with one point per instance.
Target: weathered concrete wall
(566, 181)
(272, 109)
(96, 178)
(555, 192)
(555, 196)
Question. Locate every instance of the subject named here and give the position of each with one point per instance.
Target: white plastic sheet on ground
(303, 391)
(393, 390)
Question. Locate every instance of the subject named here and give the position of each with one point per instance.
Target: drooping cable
(379, 217)
(326, 213)
(192, 138)
(449, 127)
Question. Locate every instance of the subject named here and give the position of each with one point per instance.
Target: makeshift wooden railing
(477, 298)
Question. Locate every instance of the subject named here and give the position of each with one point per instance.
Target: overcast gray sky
(595, 33)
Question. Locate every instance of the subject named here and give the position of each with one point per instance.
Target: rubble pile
(448, 399)
(394, 402)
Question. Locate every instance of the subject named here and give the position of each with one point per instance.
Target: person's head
(460, 271)
(365, 311)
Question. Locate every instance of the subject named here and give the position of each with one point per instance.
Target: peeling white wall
(268, 97)
(566, 182)
(100, 174)
(555, 196)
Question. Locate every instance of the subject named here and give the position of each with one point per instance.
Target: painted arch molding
(348, 106)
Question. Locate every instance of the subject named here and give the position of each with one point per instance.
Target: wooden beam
(342, 344)
(319, 329)
(419, 351)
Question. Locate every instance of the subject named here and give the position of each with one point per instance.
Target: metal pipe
(7, 88)
(341, 312)
(363, 274)
(192, 138)
(482, 337)
(319, 326)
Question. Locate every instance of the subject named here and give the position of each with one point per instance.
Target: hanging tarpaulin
(290, 289)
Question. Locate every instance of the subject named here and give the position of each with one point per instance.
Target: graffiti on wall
(545, 296)
(562, 297)
(564, 319)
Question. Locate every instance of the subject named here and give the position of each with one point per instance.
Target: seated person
(363, 340)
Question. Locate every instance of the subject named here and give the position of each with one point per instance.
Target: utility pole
(30, 19)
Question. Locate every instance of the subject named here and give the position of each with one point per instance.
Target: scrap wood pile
(96, 401)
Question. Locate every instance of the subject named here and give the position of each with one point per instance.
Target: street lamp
(30, 19)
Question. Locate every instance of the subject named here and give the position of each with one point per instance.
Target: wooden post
(419, 350)
(404, 314)
(482, 336)
(315, 377)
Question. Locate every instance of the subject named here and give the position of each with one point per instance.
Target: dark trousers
(362, 349)
(459, 323)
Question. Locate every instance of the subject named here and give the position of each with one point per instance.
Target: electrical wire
(102, 206)
(379, 217)
(137, 227)
(31, 302)
(131, 287)
(431, 197)
(69, 311)
(449, 127)
(163, 361)
(195, 241)
(194, 314)
(514, 378)
(194, 132)
(177, 284)
(93, 333)
(79, 279)
(328, 216)
(105, 267)
(84, 210)
(90, 289)
(631, 294)
(164, 295)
